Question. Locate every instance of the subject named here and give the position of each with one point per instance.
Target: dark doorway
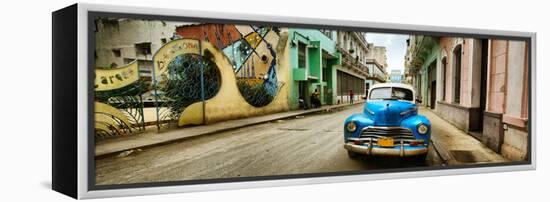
(476, 119)
(432, 80)
(457, 53)
(444, 77)
(304, 101)
(367, 87)
(432, 94)
(327, 95)
(482, 82)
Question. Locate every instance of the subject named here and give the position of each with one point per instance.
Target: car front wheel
(421, 158)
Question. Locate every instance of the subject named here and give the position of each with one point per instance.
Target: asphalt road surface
(310, 144)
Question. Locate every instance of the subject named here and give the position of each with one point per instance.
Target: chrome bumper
(379, 151)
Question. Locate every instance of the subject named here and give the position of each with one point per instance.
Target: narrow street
(277, 101)
(310, 144)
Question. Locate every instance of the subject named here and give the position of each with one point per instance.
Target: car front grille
(394, 132)
(399, 135)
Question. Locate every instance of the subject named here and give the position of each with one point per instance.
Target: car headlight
(351, 127)
(422, 129)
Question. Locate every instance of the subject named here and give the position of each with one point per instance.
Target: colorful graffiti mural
(251, 53)
(206, 73)
(191, 78)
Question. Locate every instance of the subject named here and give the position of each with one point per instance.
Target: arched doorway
(443, 78)
(457, 74)
(432, 83)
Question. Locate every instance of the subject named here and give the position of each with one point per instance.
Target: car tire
(352, 155)
(421, 158)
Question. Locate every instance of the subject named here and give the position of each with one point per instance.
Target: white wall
(375, 71)
(128, 33)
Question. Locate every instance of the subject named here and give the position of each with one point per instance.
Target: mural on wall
(183, 74)
(204, 73)
(184, 86)
(251, 52)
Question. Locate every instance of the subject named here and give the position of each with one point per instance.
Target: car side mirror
(418, 100)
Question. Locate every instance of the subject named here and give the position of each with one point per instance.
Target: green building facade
(425, 64)
(313, 57)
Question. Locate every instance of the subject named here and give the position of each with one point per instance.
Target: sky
(396, 47)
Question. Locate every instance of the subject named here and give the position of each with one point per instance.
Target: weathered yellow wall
(228, 103)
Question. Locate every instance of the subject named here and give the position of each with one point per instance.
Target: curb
(115, 152)
(441, 152)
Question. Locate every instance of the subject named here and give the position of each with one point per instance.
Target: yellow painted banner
(110, 79)
(169, 51)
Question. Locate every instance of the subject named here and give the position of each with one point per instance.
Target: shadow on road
(382, 162)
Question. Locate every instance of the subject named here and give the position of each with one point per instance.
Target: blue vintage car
(389, 125)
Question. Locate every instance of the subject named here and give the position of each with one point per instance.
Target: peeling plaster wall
(505, 127)
(515, 144)
(124, 33)
(497, 76)
(466, 113)
(448, 44)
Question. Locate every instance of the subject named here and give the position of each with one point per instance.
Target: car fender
(413, 121)
(361, 121)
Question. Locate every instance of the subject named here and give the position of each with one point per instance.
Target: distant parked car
(389, 125)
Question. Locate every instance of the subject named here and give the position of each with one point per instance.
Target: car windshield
(391, 93)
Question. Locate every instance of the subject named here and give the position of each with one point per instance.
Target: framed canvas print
(150, 101)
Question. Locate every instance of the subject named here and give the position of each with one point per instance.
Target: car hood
(388, 112)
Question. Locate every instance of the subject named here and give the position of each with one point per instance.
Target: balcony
(379, 78)
(354, 63)
(299, 74)
(417, 54)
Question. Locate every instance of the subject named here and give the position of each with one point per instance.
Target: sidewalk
(148, 139)
(455, 146)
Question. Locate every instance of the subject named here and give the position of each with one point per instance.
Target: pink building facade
(460, 69)
(507, 98)
(482, 88)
